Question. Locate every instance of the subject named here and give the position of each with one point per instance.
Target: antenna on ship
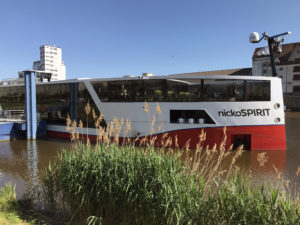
(273, 43)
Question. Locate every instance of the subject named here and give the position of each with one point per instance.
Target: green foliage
(122, 183)
(237, 202)
(110, 184)
(8, 206)
(7, 197)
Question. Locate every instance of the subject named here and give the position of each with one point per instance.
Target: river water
(22, 162)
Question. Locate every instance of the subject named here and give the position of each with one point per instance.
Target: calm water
(22, 162)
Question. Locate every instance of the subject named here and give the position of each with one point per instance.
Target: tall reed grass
(126, 184)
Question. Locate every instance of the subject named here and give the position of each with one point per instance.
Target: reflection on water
(22, 162)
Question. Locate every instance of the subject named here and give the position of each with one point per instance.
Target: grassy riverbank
(13, 212)
(9, 208)
(122, 184)
(112, 184)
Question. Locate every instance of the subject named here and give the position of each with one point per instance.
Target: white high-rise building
(51, 62)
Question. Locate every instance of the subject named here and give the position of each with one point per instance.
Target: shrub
(122, 183)
(127, 185)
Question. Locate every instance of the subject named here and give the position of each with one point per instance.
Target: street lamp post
(272, 42)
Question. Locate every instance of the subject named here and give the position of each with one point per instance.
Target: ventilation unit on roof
(148, 74)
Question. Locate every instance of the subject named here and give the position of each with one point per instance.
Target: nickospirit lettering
(244, 112)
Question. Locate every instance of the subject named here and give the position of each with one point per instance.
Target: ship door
(241, 139)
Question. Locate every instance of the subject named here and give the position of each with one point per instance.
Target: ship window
(190, 116)
(257, 90)
(120, 91)
(12, 98)
(183, 90)
(223, 90)
(155, 90)
(53, 102)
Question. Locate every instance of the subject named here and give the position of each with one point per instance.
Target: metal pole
(271, 44)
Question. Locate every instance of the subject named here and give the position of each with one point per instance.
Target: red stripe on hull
(253, 137)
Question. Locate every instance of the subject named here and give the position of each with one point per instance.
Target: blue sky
(117, 37)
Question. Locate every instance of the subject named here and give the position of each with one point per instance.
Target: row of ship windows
(172, 90)
(54, 100)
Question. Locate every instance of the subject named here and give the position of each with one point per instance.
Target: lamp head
(254, 37)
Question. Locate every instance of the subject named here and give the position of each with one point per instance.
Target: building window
(297, 77)
(296, 68)
(296, 88)
(281, 68)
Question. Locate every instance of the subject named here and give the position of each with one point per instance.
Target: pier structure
(30, 101)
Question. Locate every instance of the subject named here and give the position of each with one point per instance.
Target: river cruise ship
(251, 108)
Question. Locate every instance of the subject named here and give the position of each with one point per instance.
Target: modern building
(51, 62)
(287, 65)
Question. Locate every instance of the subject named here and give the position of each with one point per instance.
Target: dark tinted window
(53, 102)
(183, 90)
(155, 90)
(56, 101)
(257, 90)
(223, 90)
(12, 98)
(190, 116)
(120, 91)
